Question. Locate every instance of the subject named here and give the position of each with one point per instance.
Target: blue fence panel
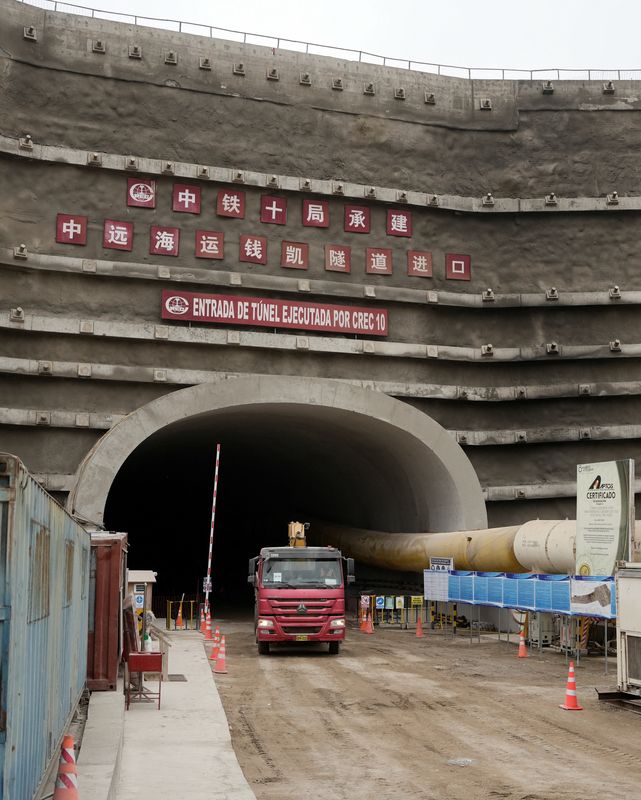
(525, 592)
(480, 589)
(467, 589)
(495, 588)
(453, 587)
(561, 596)
(542, 594)
(510, 592)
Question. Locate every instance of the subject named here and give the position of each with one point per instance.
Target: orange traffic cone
(361, 624)
(369, 628)
(67, 780)
(220, 668)
(202, 619)
(523, 653)
(419, 628)
(571, 701)
(208, 627)
(179, 618)
(216, 646)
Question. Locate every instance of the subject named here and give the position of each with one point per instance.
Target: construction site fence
(189, 611)
(404, 611)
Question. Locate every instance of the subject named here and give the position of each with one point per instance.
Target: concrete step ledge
(101, 751)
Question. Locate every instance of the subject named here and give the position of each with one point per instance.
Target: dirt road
(382, 720)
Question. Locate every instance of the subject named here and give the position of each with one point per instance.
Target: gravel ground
(383, 719)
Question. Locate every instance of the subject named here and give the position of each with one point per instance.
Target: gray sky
(476, 33)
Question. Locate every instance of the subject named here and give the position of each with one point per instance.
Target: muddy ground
(383, 719)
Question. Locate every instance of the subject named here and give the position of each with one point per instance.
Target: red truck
(300, 593)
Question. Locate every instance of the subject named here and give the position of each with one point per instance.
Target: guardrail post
(168, 617)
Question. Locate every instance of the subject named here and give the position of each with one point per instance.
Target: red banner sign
(231, 310)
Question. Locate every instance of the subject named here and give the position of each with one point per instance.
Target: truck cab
(300, 595)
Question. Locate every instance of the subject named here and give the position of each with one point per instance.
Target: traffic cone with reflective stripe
(179, 618)
(369, 628)
(202, 619)
(523, 653)
(216, 645)
(67, 780)
(419, 628)
(221, 668)
(571, 700)
(361, 626)
(208, 635)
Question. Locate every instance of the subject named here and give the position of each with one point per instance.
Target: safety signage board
(206, 584)
(139, 600)
(441, 564)
(364, 601)
(389, 602)
(416, 600)
(380, 602)
(400, 602)
(435, 582)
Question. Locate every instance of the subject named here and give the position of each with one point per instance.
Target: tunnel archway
(290, 447)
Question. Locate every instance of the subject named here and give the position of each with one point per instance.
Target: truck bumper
(295, 631)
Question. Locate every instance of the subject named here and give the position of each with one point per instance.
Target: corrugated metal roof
(141, 576)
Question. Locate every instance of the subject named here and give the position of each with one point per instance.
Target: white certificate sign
(604, 515)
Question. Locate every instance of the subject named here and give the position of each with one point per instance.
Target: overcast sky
(477, 33)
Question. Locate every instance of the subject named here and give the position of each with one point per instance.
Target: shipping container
(44, 597)
(107, 588)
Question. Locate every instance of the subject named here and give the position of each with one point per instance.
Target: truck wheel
(334, 648)
(263, 648)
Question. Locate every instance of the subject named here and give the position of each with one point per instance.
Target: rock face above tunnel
(509, 319)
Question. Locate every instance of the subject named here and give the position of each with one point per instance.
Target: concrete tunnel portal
(290, 448)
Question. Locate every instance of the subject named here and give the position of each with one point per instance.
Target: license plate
(302, 637)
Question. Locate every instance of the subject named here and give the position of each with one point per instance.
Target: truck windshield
(296, 572)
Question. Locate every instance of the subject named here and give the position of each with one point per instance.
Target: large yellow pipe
(536, 546)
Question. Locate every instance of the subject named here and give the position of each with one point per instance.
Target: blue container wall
(44, 581)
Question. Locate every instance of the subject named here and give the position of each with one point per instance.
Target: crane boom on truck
(300, 592)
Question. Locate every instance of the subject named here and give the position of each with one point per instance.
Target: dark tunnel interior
(278, 463)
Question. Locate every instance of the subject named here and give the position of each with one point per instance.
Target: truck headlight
(337, 623)
(265, 623)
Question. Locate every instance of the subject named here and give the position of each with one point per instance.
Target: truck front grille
(309, 629)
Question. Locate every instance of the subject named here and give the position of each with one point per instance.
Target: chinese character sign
(253, 249)
(399, 222)
(209, 244)
(458, 267)
(164, 241)
(357, 219)
(230, 203)
(71, 229)
(273, 209)
(186, 198)
(141, 192)
(419, 263)
(337, 258)
(316, 213)
(294, 255)
(378, 261)
(117, 235)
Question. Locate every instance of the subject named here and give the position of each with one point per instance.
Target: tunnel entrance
(289, 449)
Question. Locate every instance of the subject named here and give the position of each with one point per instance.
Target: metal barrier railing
(190, 614)
(310, 48)
(404, 611)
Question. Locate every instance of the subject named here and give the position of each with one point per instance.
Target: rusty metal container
(44, 599)
(106, 592)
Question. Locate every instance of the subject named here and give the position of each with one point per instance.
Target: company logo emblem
(141, 192)
(302, 609)
(176, 305)
(596, 483)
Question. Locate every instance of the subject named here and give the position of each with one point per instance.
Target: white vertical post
(211, 530)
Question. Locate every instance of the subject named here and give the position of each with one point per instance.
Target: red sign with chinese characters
(186, 198)
(357, 219)
(419, 263)
(164, 241)
(209, 244)
(399, 222)
(71, 229)
(378, 261)
(273, 209)
(294, 255)
(253, 249)
(117, 235)
(258, 311)
(141, 192)
(316, 213)
(230, 203)
(338, 258)
(458, 267)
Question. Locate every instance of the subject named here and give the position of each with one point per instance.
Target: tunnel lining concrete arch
(437, 473)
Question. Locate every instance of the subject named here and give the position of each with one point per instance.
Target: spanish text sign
(604, 515)
(268, 313)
